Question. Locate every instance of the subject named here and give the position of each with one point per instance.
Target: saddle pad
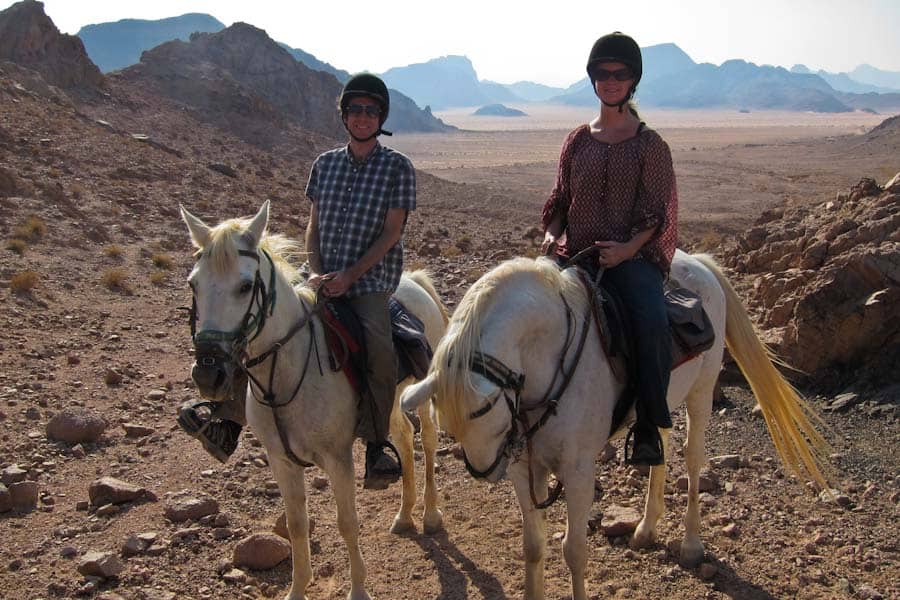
(346, 343)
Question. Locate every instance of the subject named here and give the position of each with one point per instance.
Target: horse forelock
(451, 364)
(223, 246)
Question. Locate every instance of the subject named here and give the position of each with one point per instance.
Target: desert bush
(464, 243)
(451, 251)
(116, 280)
(33, 228)
(113, 251)
(162, 261)
(77, 191)
(158, 278)
(24, 282)
(709, 242)
(17, 245)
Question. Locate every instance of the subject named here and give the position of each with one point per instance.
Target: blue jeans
(640, 286)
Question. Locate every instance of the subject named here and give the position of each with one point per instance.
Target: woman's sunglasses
(623, 74)
(371, 110)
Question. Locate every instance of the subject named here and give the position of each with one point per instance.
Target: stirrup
(379, 479)
(641, 451)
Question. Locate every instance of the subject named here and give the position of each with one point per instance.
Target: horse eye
(245, 287)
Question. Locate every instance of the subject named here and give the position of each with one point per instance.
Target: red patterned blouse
(614, 191)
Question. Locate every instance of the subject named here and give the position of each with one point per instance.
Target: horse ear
(199, 230)
(417, 394)
(257, 227)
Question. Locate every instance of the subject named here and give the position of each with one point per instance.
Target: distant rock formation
(29, 38)
(242, 80)
(828, 281)
(117, 45)
(499, 110)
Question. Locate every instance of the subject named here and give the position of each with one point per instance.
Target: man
(361, 194)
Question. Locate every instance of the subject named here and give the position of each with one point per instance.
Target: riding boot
(217, 425)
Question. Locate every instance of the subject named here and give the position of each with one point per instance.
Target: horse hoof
(691, 555)
(642, 538)
(403, 526)
(434, 523)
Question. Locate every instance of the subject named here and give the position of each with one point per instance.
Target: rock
(223, 169)
(843, 402)
(619, 520)
(709, 482)
(156, 395)
(76, 425)
(13, 474)
(109, 490)
(133, 430)
(726, 461)
(68, 551)
(6, 504)
(182, 508)
(78, 451)
(24, 495)
(133, 546)
(319, 482)
(731, 530)
(100, 564)
(235, 576)
(708, 571)
(261, 551)
(868, 593)
(608, 453)
(112, 377)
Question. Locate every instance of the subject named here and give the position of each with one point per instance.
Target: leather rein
(508, 381)
(251, 326)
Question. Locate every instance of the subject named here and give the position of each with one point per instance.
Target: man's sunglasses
(371, 110)
(623, 74)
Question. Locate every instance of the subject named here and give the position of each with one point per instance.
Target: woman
(615, 190)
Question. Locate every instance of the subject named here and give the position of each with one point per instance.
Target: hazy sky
(546, 42)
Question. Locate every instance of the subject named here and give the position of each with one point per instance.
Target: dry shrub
(451, 251)
(113, 251)
(77, 191)
(33, 228)
(17, 245)
(464, 243)
(158, 278)
(116, 280)
(24, 282)
(709, 242)
(162, 261)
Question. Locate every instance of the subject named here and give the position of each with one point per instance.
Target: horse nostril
(207, 377)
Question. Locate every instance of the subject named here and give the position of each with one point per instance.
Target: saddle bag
(692, 331)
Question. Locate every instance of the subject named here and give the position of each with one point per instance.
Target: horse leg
(645, 534)
(293, 490)
(579, 497)
(340, 471)
(432, 519)
(402, 434)
(699, 407)
(534, 534)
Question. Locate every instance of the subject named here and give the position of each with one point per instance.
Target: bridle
(209, 352)
(510, 381)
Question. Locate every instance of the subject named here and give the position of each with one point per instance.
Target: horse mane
(452, 357)
(222, 251)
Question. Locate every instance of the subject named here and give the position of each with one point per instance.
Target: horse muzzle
(212, 372)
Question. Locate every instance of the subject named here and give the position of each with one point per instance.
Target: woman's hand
(549, 243)
(613, 254)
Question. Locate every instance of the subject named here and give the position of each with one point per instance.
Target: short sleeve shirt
(610, 192)
(352, 199)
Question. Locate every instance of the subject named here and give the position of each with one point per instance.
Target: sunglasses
(623, 74)
(371, 110)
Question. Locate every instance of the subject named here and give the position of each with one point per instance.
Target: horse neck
(289, 309)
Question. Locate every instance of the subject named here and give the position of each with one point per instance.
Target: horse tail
(423, 279)
(788, 416)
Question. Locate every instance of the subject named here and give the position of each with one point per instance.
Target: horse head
(233, 293)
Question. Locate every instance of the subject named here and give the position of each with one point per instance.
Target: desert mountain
(533, 92)
(874, 76)
(30, 39)
(314, 63)
(843, 82)
(117, 45)
(445, 82)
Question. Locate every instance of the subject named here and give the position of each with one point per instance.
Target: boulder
(109, 490)
(76, 425)
(100, 564)
(261, 551)
(182, 507)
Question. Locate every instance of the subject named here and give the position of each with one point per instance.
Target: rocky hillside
(29, 38)
(827, 283)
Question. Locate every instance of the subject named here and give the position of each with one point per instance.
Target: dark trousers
(640, 286)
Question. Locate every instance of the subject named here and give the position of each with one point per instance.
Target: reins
(508, 380)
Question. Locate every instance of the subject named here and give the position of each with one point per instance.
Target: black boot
(218, 436)
(381, 469)
(643, 446)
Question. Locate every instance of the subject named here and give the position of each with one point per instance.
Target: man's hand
(337, 284)
(613, 253)
(315, 280)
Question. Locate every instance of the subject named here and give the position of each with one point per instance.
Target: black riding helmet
(369, 86)
(616, 47)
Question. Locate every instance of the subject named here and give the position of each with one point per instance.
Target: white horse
(499, 365)
(247, 305)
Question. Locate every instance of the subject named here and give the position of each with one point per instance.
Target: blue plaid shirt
(352, 200)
